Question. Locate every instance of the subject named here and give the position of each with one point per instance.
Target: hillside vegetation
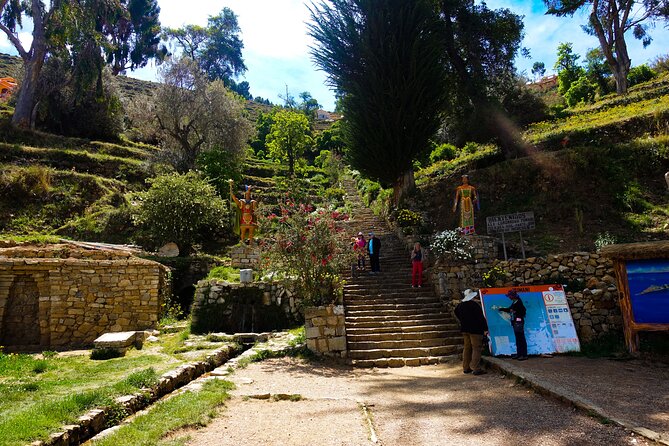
(595, 172)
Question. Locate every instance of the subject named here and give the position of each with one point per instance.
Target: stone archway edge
(93, 421)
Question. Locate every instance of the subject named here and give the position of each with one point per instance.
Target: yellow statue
(247, 207)
(465, 195)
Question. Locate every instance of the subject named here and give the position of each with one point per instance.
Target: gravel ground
(632, 390)
(432, 405)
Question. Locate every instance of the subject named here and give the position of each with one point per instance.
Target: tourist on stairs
(417, 266)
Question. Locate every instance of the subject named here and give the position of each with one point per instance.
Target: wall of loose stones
(80, 298)
(591, 286)
(215, 297)
(326, 330)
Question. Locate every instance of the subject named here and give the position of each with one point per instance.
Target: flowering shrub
(406, 217)
(492, 276)
(305, 246)
(451, 244)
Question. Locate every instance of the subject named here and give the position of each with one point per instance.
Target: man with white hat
(473, 327)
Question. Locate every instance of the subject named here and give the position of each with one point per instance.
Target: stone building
(62, 296)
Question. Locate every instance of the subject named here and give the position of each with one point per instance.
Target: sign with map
(549, 327)
(649, 290)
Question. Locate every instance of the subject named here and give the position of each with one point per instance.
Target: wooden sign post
(642, 271)
(518, 222)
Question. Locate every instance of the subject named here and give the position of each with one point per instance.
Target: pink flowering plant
(308, 248)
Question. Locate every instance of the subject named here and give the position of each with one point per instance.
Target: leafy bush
(580, 91)
(31, 181)
(451, 244)
(661, 64)
(493, 275)
(406, 218)
(183, 209)
(336, 194)
(605, 238)
(219, 166)
(639, 74)
(443, 152)
(308, 250)
(369, 190)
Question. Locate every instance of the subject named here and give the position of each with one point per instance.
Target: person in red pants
(417, 257)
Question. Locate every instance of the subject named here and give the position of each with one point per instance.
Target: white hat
(469, 295)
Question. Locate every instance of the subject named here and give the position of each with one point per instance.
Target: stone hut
(65, 296)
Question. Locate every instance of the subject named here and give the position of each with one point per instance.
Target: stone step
(363, 306)
(391, 344)
(388, 313)
(395, 336)
(397, 324)
(402, 362)
(415, 328)
(442, 350)
(411, 294)
(393, 317)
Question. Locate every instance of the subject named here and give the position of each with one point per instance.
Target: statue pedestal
(244, 256)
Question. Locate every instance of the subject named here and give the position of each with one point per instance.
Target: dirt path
(431, 405)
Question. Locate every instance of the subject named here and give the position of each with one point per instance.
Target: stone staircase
(389, 323)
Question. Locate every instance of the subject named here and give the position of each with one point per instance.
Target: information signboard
(520, 221)
(549, 327)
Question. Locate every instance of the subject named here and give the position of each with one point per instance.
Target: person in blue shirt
(374, 248)
(517, 311)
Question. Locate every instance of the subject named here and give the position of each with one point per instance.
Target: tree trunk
(620, 76)
(404, 184)
(26, 98)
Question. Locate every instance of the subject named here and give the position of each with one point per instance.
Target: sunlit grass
(188, 409)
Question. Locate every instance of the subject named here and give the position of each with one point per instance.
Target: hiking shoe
(521, 358)
(479, 372)
(467, 371)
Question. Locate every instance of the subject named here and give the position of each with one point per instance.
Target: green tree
(195, 115)
(609, 21)
(597, 70)
(538, 69)
(263, 127)
(567, 67)
(133, 35)
(289, 137)
(180, 208)
(217, 48)
(481, 45)
(582, 90)
(73, 27)
(385, 57)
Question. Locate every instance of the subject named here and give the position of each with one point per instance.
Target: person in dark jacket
(374, 248)
(473, 327)
(517, 311)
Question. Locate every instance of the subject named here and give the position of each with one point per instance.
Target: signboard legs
(504, 246)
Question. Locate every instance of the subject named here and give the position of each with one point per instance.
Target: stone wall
(326, 330)
(58, 296)
(589, 281)
(221, 306)
(244, 256)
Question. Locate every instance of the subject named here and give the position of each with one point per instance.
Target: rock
(169, 250)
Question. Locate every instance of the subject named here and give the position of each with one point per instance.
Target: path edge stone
(547, 389)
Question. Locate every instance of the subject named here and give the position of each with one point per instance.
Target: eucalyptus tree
(609, 21)
(386, 58)
(125, 31)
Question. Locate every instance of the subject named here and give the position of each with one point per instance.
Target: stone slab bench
(120, 341)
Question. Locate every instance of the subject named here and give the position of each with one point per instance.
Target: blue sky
(276, 45)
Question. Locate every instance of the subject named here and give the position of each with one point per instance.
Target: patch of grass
(186, 410)
(39, 396)
(227, 273)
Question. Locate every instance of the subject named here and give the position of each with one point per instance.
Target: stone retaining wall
(58, 296)
(244, 256)
(589, 281)
(221, 306)
(326, 330)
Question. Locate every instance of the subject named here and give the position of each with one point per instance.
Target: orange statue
(247, 219)
(465, 195)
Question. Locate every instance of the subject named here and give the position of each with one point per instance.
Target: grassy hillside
(608, 179)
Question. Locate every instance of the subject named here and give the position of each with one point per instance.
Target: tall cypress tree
(385, 56)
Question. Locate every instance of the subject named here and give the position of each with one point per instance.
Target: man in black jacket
(473, 327)
(517, 311)
(374, 248)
